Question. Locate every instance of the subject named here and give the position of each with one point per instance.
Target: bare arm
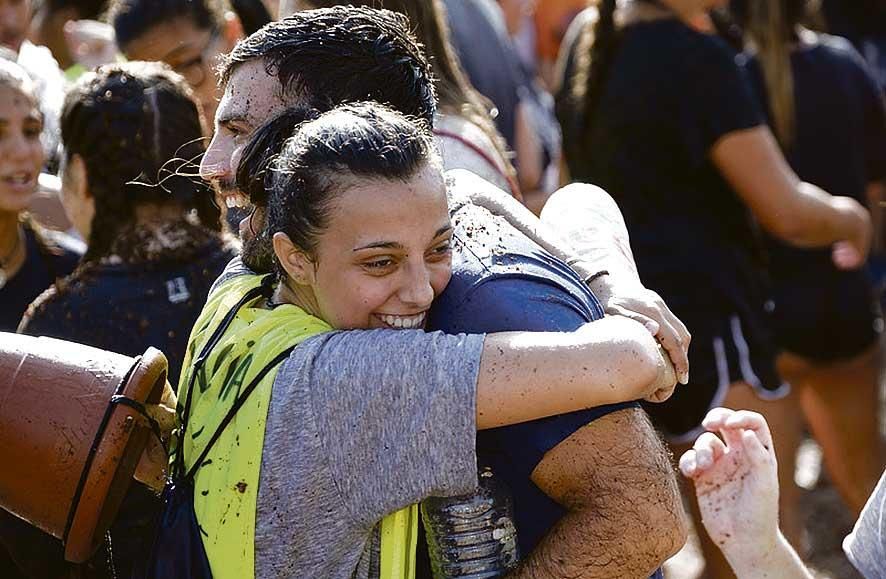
(616, 481)
(529, 375)
(583, 226)
(876, 195)
(798, 213)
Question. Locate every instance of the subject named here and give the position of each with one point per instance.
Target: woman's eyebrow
(396, 245)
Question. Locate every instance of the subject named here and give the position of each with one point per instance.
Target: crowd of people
(392, 248)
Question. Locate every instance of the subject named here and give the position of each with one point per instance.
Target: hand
(736, 484)
(154, 462)
(852, 252)
(667, 379)
(90, 43)
(634, 301)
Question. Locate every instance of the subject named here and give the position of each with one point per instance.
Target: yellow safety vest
(226, 484)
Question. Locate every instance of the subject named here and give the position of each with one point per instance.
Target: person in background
(736, 485)
(153, 245)
(552, 19)
(829, 116)
(48, 79)
(696, 171)
(31, 257)
(525, 113)
(188, 35)
(466, 134)
(50, 25)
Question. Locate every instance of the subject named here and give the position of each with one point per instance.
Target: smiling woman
(30, 258)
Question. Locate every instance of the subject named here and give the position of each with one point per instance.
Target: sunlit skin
(383, 258)
(15, 16)
(21, 153)
(191, 51)
(251, 97)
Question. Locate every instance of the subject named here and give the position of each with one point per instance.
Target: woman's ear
(294, 260)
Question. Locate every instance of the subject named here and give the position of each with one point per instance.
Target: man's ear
(293, 259)
(232, 31)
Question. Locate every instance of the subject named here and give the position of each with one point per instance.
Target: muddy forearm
(625, 516)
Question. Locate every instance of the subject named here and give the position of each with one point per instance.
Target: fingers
(846, 256)
(707, 450)
(753, 421)
(676, 342)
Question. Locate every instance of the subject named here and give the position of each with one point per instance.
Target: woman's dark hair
(770, 28)
(365, 140)
(133, 18)
(138, 130)
(427, 19)
(596, 49)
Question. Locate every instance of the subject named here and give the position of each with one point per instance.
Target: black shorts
(825, 318)
(724, 350)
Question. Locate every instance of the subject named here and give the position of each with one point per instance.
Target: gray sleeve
(866, 544)
(395, 411)
(234, 269)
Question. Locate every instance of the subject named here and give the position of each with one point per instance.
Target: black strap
(264, 289)
(96, 441)
(241, 399)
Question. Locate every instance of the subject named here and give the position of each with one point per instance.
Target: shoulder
(866, 545)
(57, 303)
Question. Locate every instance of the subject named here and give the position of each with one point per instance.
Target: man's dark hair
(331, 56)
(133, 18)
(363, 140)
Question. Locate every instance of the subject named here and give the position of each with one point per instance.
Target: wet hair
(325, 154)
(456, 95)
(770, 28)
(138, 130)
(131, 19)
(343, 54)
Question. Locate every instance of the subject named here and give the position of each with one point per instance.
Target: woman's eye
(379, 264)
(442, 249)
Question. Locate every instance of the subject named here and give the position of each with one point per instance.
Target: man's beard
(258, 252)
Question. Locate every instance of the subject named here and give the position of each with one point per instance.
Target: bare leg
(786, 422)
(840, 401)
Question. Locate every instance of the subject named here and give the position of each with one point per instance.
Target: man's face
(251, 97)
(15, 15)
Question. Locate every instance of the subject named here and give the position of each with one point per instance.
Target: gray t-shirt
(866, 544)
(360, 424)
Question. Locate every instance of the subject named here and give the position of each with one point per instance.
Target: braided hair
(139, 132)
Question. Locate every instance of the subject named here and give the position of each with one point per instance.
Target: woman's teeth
(236, 200)
(404, 322)
(19, 178)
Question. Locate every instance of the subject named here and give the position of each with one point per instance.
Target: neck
(8, 233)
(297, 295)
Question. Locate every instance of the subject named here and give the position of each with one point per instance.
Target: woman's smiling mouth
(403, 322)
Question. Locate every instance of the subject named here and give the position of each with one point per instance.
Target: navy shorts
(725, 349)
(825, 318)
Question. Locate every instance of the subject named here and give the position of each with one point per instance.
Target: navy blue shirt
(501, 282)
(43, 265)
(127, 307)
